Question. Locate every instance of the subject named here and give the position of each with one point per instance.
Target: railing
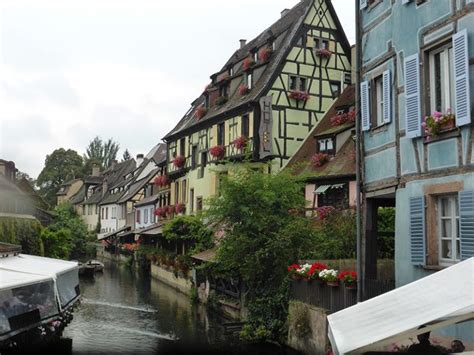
(337, 298)
(229, 287)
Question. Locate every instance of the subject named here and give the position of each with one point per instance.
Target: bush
(21, 231)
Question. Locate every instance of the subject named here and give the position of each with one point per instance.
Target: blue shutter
(417, 230)
(466, 223)
(461, 79)
(412, 96)
(387, 97)
(405, 1)
(363, 4)
(365, 105)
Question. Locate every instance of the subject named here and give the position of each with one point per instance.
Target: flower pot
(332, 283)
(351, 285)
(447, 125)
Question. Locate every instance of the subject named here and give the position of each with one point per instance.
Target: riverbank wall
(173, 278)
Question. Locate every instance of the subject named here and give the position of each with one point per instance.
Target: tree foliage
(60, 166)
(21, 231)
(191, 229)
(126, 155)
(101, 152)
(265, 230)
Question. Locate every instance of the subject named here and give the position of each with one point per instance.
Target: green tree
(103, 153)
(189, 229)
(265, 230)
(60, 166)
(126, 155)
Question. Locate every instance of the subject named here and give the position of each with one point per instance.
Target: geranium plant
(180, 207)
(248, 63)
(315, 269)
(160, 212)
(217, 151)
(348, 277)
(201, 112)
(328, 275)
(437, 122)
(323, 212)
(319, 159)
(343, 118)
(161, 180)
(240, 143)
(179, 161)
(265, 53)
(299, 95)
(322, 52)
(170, 210)
(243, 90)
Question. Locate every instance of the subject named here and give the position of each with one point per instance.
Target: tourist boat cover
(25, 299)
(64, 273)
(443, 298)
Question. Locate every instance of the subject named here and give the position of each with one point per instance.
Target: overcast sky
(71, 70)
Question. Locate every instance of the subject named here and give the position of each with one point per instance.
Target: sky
(128, 70)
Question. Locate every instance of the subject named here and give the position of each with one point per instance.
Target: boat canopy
(25, 300)
(64, 274)
(441, 299)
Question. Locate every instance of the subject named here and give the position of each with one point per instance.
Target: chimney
(105, 187)
(139, 159)
(284, 12)
(95, 170)
(243, 42)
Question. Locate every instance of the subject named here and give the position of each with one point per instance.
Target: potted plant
(322, 52)
(342, 118)
(248, 63)
(161, 180)
(293, 272)
(349, 278)
(299, 95)
(200, 112)
(243, 90)
(179, 161)
(319, 159)
(330, 276)
(240, 143)
(217, 151)
(314, 271)
(265, 53)
(323, 212)
(170, 210)
(221, 100)
(437, 123)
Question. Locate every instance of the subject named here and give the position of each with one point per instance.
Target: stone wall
(174, 280)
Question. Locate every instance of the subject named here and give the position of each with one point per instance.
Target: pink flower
(437, 114)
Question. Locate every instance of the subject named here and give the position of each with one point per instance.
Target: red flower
(265, 53)
(160, 212)
(322, 52)
(161, 180)
(217, 151)
(293, 267)
(179, 161)
(348, 276)
(240, 143)
(248, 63)
(299, 95)
(243, 90)
(323, 212)
(319, 159)
(200, 112)
(179, 207)
(342, 118)
(316, 268)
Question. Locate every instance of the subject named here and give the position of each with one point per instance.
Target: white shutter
(412, 96)
(405, 1)
(387, 97)
(365, 105)
(363, 4)
(461, 79)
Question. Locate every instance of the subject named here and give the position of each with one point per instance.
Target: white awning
(443, 298)
(322, 189)
(337, 186)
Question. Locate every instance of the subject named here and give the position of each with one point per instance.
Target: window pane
(329, 144)
(292, 82)
(446, 252)
(437, 81)
(302, 84)
(446, 228)
(445, 207)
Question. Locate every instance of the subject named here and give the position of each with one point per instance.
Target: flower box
(349, 278)
(437, 123)
(299, 95)
(342, 118)
(243, 90)
(217, 151)
(319, 159)
(180, 208)
(240, 143)
(265, 53)
(322, 53)
(160, 212)
(248, 63)
(179, 161)
(221, 100)
(332, 283)
(170, 210)
(200, 112)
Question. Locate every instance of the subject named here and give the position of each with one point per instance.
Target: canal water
(126, 312)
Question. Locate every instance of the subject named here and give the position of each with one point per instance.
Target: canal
(126, 312)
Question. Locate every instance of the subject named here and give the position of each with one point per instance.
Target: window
(113, 213)
(448, 229)
(191, 200)
(223, 90)
(194, 157)
(245, 126)
(255, 56)
(297, 83)
(145, 216)
(336, 196)
(220, 134)
(231, 71)
(249, 80)
(203, 164)
(176, 192)
(198, 204)
(182, 146)
(320, 43)
(377, 102)
(106, 213)
(138, 216)
(441, 76)
(335, 88)
(184, 191)
(326, 145)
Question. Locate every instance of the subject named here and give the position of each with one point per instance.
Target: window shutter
(405, 1)
(417, 230)
(365, 105)
(387, 97)
(412, 96)
(363, 4)
(461, 79)
(466, 223)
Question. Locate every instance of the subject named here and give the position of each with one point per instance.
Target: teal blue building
(416, 93)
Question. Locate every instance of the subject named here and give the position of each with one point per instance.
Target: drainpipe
(361, 277)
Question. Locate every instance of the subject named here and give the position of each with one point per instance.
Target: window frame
(319, 42)
(455, 238)
(339, 89)
(298, 83)
(430, 88)
(245, 125)
(221, 133)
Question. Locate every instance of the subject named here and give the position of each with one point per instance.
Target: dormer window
(223, 90)
(326, 145)
(320, 43)
(231, 71)
(255, 56)
(249, 80)
(273, 45)
(206, 100)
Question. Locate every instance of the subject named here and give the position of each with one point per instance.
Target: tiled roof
(137, 186)
(79, 196)
(157, 153)
(148, 201)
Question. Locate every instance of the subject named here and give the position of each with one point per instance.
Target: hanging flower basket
(437, 123)
(240, 143)
(248, 63)
(161, 180)
(179, 161)
(299, 95)
(217, 151)
(322, 53)
(221, 100)
(243, 90)
(319, 159)
(180, 208)
(200, 112)
(265, 53)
